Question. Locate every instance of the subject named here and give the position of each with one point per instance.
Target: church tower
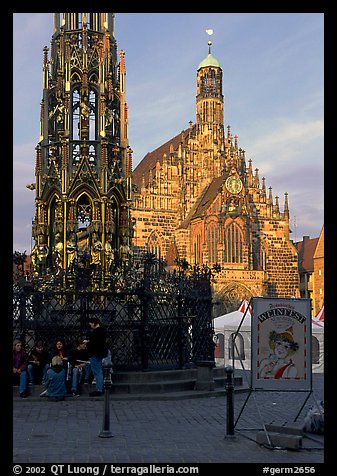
(83, 160)
(210, 113)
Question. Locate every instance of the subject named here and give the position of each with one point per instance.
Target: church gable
(151, 158)
(205, 201)
(84, 175)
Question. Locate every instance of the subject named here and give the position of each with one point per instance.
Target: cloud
(23, 198)
(283, 142)
(290, 156)
(23, 165)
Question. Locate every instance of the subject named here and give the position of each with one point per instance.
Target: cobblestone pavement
(190, 430)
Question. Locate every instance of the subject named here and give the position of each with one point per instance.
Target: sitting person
(20, 358)
(38, 363)
(79, 361)
(55, 381)
(61, 351)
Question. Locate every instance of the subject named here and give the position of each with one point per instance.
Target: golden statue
(124, 252)
(109, 255)
(96, 252)
(39, 256)
(58, 252)
(71, 250)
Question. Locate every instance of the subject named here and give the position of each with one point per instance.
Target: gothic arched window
(92, 115)
(233, 241)
(197, 249)
(238, 349)
(315, 349)
(219, 345)
(208, 83)
(212, 244)
(154, 245)
(83, 211)
(83, 115)
(75, 114)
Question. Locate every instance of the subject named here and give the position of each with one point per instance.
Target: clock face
(233, 184)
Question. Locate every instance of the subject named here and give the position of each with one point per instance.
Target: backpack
(314, 419)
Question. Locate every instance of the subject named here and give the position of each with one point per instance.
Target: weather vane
(209, 33)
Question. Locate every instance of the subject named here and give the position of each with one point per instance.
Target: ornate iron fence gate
(154, 319)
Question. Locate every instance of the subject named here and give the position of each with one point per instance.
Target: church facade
(196, 198)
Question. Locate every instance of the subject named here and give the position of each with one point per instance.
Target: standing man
(97, 349)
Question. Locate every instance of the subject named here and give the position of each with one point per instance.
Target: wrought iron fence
(154, 319)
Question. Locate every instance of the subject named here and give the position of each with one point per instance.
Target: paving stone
(187, 430)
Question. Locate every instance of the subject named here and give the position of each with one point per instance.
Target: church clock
(233, 184)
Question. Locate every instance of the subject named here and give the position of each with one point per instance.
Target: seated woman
(55, 381)
(61, 351)
(20, 358)
(38, 363)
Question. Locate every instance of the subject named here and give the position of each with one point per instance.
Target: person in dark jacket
(38, 363)
(55, 381)
(97, 349)
(79, 361)
(20, 359)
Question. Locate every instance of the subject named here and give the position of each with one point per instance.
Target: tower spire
(286, 205)
(83, 160)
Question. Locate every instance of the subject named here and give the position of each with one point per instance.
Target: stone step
(154, 376)
(221, 381)
(279, 440)
(292, 428)
(153, 382)
(154, 387)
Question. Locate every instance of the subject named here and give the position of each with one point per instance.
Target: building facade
(195, 198)
(311, 270)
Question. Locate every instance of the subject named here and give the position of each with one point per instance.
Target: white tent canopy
(320, 315)
(317, 342)
(226, 325)
(231, 320)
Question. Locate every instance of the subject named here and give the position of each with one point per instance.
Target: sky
(272, 84)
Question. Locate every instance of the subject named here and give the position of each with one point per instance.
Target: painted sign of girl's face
(282, 348)
(282, 344)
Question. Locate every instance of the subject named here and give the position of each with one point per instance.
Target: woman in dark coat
(20, 360)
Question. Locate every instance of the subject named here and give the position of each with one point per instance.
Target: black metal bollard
(107, 366)
(229, 385)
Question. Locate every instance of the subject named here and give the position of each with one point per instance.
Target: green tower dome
(209, 61)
